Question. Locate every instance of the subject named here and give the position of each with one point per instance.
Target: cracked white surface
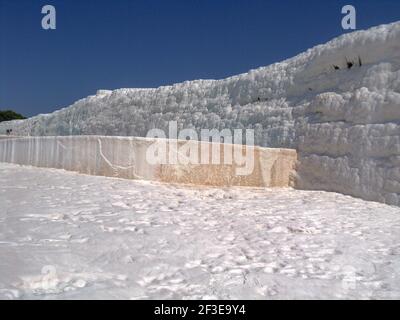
(65, 235)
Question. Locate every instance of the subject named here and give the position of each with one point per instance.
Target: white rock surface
(70, 236)
(345, 123)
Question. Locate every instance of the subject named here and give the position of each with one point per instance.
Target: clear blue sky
(109, 44)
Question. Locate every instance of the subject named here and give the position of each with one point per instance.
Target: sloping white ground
(344, 123)
(65, 235)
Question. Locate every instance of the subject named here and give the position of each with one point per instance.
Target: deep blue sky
(109, 44)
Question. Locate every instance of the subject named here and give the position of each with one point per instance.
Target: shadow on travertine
(126, 157)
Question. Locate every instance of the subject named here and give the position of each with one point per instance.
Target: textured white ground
(70, 236)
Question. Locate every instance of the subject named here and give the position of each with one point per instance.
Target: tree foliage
(8, 115)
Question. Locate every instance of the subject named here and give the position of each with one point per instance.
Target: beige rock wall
(125, 157)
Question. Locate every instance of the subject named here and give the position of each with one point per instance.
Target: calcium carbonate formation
(338, 104)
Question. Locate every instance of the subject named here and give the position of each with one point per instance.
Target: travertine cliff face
(338, 104)
(125, 157)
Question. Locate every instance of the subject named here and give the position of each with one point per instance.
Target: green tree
(8, 115)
